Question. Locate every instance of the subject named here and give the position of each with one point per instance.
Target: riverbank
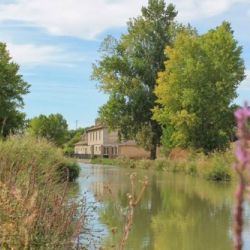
(216, 166)
(36, 210)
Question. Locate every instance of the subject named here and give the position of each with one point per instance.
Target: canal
(177, 212)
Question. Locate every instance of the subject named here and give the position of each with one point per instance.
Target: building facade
(98, 141)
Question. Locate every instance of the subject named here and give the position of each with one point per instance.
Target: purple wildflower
(242, 116)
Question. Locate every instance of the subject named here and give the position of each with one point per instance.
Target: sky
(56, 42)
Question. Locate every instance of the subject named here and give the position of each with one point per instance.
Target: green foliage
(192, 169)
(36, 211)
(104, 161)
(197, 88)
(49, 159)
(73, 137)
(215, 167)
(127, 72)
(68, 170)
(12, 89)
(166, 139)
(144, 164)
(53, 128)
(158, 164)
(218, 173)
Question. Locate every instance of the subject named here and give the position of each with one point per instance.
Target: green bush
(218, 169)
(36, 211)
(68, 170)
(160, 165)
(145, 164)
(18, 151)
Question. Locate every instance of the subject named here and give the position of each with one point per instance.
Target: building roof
(95, 128)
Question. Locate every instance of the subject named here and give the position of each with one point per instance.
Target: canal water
(177, 212)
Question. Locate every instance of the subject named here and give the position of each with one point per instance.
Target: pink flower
(242, 116)
(241, 155)
(242, 113)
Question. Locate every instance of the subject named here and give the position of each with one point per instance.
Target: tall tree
(197, 88)
(128, 70)
(53, 127)
(12, 89)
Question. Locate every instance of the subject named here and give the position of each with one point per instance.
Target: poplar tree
(197, 88)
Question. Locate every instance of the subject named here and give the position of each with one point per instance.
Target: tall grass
(35, 210)
(216, 166)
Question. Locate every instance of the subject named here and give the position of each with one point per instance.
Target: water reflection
(176, 213)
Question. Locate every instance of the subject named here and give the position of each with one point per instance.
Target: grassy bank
(35, 210)
(216, 166)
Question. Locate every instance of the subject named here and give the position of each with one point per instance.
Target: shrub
(19, 151)
(160, 164)
(217, 168)
(68, 170)
(145, 164)
(218, 173)
(35, 209)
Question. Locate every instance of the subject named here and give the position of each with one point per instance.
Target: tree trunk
(156, 129)
(153, 152)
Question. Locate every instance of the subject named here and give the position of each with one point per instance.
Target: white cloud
(198, 9)
(32, 54)
(79, 18)
(88, 18)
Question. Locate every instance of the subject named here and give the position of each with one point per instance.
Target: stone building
(98, 141)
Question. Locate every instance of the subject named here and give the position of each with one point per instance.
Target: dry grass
(35, 209)
(133, 201)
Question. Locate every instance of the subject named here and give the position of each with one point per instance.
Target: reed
(36, 211)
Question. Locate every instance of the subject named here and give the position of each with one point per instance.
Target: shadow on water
(177, 212)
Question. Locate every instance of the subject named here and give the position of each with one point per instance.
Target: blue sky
(56, 42)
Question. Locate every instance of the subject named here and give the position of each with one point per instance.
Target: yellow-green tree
(197, 88)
